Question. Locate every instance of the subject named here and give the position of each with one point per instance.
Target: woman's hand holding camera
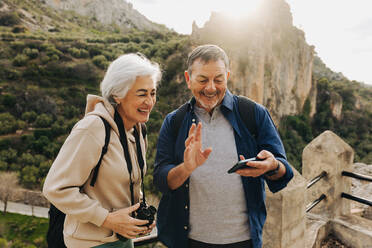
(122, 223)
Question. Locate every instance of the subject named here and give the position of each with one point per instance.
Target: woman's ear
(116, 100)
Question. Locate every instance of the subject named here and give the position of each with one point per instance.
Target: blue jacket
(173, 212)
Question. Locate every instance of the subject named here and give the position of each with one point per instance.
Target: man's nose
(210, 86)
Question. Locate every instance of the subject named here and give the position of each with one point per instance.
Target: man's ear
(227, 75)
(187, 78)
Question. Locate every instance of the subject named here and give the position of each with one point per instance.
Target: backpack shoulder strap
(178, 118)
(246, 109)
(144, 130)
(104, 150)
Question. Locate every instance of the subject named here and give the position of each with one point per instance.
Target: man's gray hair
(123, 72)
(206, 53)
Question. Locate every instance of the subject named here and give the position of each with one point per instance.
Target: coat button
(185, 227)
(186, 207)
(193, 120)
(187, 185)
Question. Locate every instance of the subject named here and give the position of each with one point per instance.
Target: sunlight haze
(340, 30)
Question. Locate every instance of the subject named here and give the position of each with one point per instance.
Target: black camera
(145, 212)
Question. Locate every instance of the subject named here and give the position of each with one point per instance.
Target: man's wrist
(186, 168)
(274, 171)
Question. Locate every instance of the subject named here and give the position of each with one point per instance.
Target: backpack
(246, 109)
(57, 217)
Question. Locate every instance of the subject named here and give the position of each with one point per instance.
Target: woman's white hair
(123, 72)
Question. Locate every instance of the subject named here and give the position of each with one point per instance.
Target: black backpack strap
(178, 118)
(247, 111)
(144, 130)
(104, 150)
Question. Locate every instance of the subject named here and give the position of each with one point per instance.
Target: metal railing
(360, 177)
(356, 198)
(154, 238)
(316, 179)
(311, 183)
(316, 202)
(357, 176)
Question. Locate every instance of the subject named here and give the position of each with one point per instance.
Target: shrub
(18, 29)
(74, 52)
(124, 39)
(18, 46)
(43, 120)
(84, 53)
(8, 100)
(100, 61)
(31, 53)
(32, 71)
(95, 50)
(84, 71)
(78, 53)
(21, 124)
(8, 123)
(54, 57)
(20, 60)
(44, 59)
(51, 50)
(29, 177)
(9, 19)
(132, 48)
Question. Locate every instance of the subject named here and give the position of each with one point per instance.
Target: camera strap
(124, 143)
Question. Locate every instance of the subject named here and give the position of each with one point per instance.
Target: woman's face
(137, 104)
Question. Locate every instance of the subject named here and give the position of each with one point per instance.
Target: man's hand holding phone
(256, 166)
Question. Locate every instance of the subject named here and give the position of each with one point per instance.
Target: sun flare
(237, 8)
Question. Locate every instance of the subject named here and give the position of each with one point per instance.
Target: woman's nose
(149, 100)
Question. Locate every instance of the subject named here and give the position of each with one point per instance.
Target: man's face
(208, 83)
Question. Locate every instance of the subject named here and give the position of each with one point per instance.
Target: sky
(340, 30)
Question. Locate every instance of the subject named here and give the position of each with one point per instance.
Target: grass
(30, 232)
(25, 229)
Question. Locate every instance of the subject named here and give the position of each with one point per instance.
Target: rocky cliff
(108, 12)
(270, 59)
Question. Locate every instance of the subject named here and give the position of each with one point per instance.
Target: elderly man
(203, 205)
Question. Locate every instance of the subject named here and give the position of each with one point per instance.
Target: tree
(8, 185)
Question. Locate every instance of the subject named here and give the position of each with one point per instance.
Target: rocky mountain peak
(270, 59)
(108, 12)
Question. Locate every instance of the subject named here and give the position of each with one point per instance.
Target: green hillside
(46, 75)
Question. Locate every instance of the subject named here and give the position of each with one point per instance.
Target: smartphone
(242, 164)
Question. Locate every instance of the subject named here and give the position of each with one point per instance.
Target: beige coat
(67, 184)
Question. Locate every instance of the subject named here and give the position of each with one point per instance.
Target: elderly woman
(101, 215)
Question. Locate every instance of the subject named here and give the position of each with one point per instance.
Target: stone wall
(289, 226)
(331, 154)
(29, 197)
(285, 223)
